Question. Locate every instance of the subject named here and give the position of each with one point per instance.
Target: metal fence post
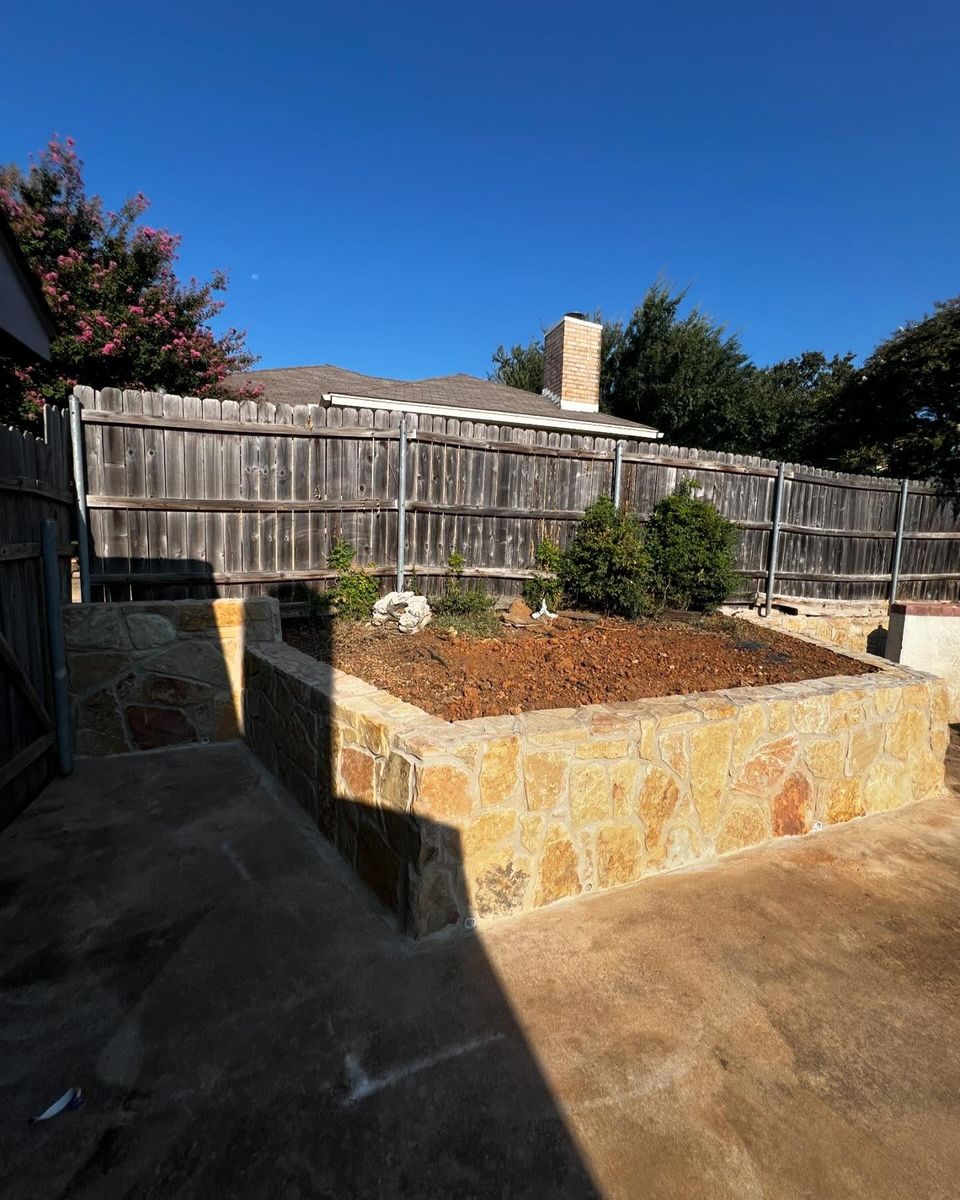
(774, 539)
(52, 603)
(898, 541)
(617, 472)
(401, 501)
(80, 485)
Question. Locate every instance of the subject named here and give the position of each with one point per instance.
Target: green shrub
(456, 600)
(691, 549)
(605, 567)
(545, 587)
(341, 555)
(356, 592)
(459, 601)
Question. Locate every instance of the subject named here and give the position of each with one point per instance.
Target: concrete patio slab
(245, 1021)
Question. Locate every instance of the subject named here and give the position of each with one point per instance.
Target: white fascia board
(595, 428)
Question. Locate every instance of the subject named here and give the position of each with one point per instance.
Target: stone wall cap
(926, 608)
(350, 691)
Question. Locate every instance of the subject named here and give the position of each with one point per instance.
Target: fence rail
(34, 487)
(190, 496)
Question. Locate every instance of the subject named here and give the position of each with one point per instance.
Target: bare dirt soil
(569, 664)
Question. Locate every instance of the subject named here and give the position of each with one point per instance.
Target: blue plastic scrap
(72, 1098)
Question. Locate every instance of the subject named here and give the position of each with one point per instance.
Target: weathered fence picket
(34, 487)
(193, 497)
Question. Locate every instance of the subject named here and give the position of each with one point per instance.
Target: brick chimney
(571, 363)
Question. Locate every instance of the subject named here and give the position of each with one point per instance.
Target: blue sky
(396, 188)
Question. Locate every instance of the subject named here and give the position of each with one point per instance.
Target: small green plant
(547, 586)
(456, 600)
(483, 624)
(691, 550)
(605, 567)
(356, 592)
(341, 555)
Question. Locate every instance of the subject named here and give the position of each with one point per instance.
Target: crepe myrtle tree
(123, 318)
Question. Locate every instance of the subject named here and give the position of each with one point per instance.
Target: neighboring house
(570, 402)
(26, 323)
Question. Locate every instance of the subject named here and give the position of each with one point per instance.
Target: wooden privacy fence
(34, 486)
(190, 497)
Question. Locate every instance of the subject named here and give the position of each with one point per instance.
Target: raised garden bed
(464, 820)
(565, 663)
(450, 821)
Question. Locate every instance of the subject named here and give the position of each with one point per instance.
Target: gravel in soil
(570, 663)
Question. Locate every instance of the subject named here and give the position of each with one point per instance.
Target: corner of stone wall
(146, 674)
(353, 757)
(488, 818)
(547, 806)
(847, 626)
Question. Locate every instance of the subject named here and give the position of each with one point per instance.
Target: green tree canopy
(123, 317)
(793, 405)
(520, 366)
(684, 374)
(900, 413)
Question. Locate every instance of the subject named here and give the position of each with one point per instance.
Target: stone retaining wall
(844, 626)
(144, 675)
(487, 817)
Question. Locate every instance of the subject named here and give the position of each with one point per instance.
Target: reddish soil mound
(523, 670)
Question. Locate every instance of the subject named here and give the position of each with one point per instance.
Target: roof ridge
(455, 391)
(323, 367)
(455, 375)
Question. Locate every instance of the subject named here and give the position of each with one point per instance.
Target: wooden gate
(34, 486)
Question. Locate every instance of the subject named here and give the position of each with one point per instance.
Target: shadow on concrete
(245, 1017)
(410, 863)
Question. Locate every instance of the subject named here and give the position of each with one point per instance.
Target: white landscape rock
(408, 611)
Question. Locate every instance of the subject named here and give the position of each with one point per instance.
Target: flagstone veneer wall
(144, 675)
(494, 816)
(844, 626)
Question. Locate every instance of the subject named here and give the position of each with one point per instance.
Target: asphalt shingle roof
(305, 385)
